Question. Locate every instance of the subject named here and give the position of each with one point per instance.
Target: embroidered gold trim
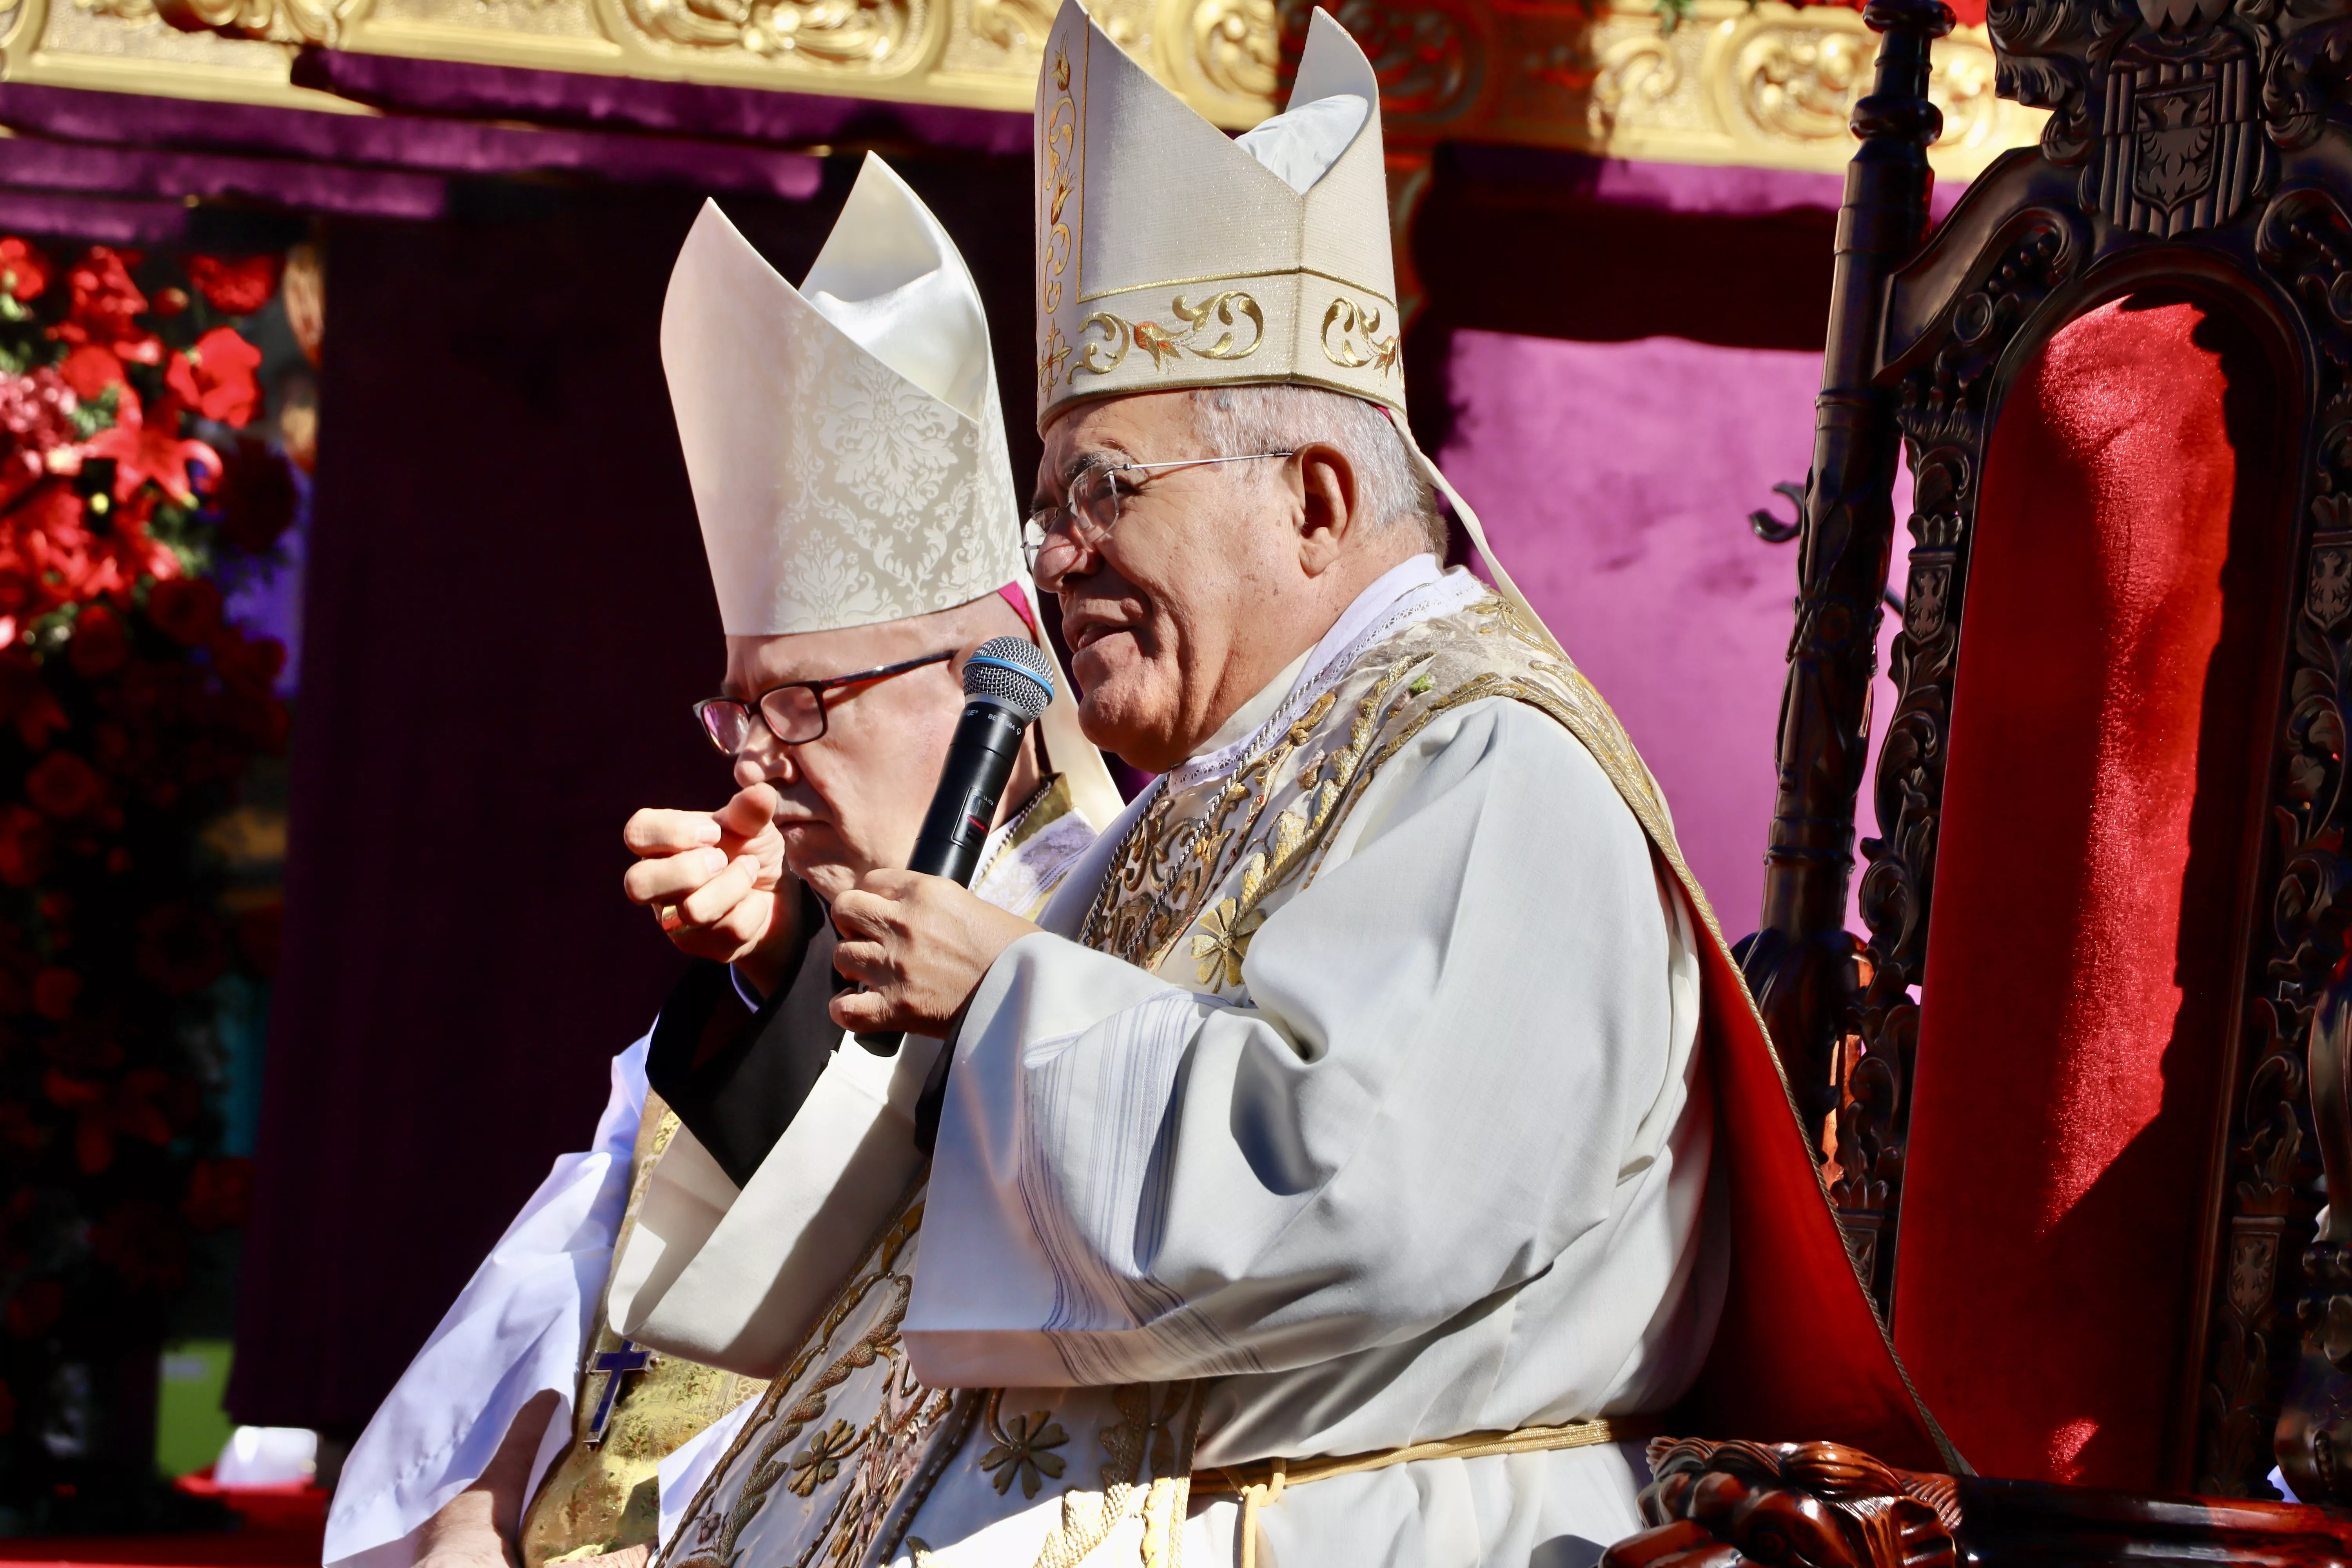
(1238, 277)
(1227, 311)
(1058, 142)
(1360, 346)
(909, 1410)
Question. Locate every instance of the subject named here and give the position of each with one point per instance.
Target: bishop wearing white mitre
(1371, 1143)
(846, 453)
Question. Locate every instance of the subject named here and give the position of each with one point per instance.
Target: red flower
(34, 1307)
(256, 495)
(100, 645)
(106, 308)
(187, 608)
(90, 369)
(23, 846)
(144, 448)
(143, 1242)
(24, 270)
(181, 949)
(220, 1192)
(63, 785)
(235, 286)
(216, 377)
(54, 991)
(38, 409)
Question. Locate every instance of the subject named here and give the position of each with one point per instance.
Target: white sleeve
(519, 1327)
(1476, 1012)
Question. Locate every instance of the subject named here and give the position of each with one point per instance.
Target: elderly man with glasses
(1370, 1144)
(528, 1429)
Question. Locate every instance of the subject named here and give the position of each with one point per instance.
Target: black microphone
(1007, 682)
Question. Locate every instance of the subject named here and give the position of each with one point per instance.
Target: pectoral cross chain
(615, 1364)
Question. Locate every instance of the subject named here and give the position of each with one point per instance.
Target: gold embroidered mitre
(1171, 256)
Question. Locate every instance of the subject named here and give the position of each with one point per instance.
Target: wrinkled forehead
(757, 663)
(1139, 427)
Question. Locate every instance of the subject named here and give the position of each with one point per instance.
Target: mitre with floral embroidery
(844, 438)
(1168, 255)
(1171, 256)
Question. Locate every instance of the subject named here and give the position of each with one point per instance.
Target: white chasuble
(1347, 1101)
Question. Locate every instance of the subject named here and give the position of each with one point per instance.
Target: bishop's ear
(1328, 520)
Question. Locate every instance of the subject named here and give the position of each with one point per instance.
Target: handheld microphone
(1006, 684)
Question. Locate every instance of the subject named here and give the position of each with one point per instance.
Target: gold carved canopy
(1765, 84)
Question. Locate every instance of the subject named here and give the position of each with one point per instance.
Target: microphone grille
(1013, 671)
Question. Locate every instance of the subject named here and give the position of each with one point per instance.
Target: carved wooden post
(2314, 1431)
(1800, 964)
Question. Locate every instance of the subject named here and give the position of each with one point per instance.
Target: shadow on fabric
(2108, 755)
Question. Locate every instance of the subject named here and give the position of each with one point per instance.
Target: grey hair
(1284, 418)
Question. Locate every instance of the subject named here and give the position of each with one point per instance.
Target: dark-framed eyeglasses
(794, 712)
(1057, 531)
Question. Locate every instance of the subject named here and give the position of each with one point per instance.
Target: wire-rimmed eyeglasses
(1057, 530)
(794, 712)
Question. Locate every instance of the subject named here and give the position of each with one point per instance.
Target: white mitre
(1171, 256)
(843, 439)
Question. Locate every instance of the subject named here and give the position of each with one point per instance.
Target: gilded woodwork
(1766, 85)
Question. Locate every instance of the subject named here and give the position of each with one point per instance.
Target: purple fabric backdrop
(1615, 481)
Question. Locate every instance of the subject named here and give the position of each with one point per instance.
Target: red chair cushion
(2106, 755)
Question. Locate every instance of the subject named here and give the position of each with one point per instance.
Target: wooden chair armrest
(1822, 1505)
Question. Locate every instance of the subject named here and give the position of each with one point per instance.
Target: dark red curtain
(2106, 749)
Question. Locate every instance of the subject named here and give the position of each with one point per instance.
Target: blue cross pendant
(615, 1364)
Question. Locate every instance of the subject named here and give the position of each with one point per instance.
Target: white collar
(1413, 591)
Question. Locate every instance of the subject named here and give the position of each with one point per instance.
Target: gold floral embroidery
(1359, 344)
(1206, 871)
(775, 1426)
(1023, 1448)
(1146, 1472)
(1226, 310)
(1223, 942)
(821, 1460)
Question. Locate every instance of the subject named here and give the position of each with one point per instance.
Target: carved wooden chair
(2082, 1094)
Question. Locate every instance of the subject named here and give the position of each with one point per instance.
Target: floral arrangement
(131, 488)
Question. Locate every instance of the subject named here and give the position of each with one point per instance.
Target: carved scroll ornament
(838, 33)
(277, 21)
(1791, 1505)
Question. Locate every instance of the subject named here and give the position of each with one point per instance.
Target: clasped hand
(920, 946)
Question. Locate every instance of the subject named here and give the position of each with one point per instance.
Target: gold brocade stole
(605, 1495)
(1211, 858)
